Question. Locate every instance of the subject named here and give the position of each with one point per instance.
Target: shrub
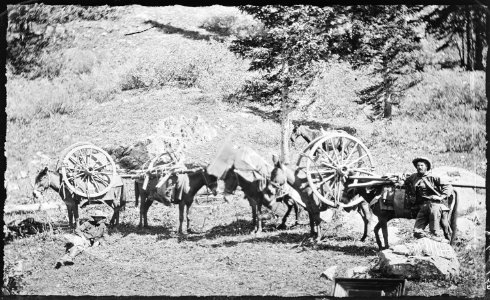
(238, 25)
(455, 110)
(208, 66)
(34, 29)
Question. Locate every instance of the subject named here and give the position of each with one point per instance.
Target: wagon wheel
(330, 160)
(163, 159)
(88, 171)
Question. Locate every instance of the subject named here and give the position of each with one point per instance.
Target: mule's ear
(275, 159)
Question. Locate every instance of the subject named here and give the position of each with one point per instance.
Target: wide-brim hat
(422, 159)
(98, 213)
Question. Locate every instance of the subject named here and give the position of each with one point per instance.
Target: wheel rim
(88, 171)
(331, 160)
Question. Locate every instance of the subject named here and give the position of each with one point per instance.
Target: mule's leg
(259, 219)
(254, 214)
(376, 235)
(319, 231)
(286, 215)
(142, 208)
(296, 212)
(365, 220)
(148, 203)
(181, 216)
(69, 208)
(384, 229)
(114, 211)
(368, 217)
(188, 216)
(312, 225)
(446, 228)
(75, 214)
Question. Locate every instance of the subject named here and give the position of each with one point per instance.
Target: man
(429, 198)
(90, 234)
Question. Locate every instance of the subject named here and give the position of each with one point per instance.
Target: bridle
(206, 180)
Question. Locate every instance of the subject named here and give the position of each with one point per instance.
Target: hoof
(281, 227)
(191, 231)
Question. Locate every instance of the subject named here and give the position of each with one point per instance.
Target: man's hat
(422, 159)
(98, 213)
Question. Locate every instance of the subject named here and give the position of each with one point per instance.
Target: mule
(188, 184)
(308, 134)
(258, 193)
(384, 216)
(282, 174)
(115, 197)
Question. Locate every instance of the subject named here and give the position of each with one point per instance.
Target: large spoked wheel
(165, 159)
(88, 171)
(331, 159)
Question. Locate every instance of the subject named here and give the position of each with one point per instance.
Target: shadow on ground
(265, 115)
(169, 29)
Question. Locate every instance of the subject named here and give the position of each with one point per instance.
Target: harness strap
(430, 186)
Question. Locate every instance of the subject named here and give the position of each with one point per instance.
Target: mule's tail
(136, 193)
(454, 218)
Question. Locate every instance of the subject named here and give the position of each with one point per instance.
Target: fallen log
(8, 209)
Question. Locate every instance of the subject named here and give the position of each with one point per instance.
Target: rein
(206, 181)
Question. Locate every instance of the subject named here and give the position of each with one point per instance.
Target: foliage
(220, 73)
(460, 26)
(43, 98)
(287, 52)
(232, 25)
(35, 29)
(13, 280)
(382, 37)
(454, 111)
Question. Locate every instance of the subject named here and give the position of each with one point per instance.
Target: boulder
(329, 273)
(469, 198)
(358, 272)
(422, 259)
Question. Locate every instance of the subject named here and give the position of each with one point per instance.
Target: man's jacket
(433, 184)
(92, 230)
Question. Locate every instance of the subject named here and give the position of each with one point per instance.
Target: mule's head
(278, 174)
(231, 184)
(211, 182)
(294, 134)
(41, 183)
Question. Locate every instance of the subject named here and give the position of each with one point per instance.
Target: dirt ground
(223, 259)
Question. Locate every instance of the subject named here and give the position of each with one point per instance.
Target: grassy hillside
(111, 85)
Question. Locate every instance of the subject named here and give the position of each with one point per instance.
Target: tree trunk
(461, 64)
(479, 36)
(487, 226)
(285, 127)
(469, 44)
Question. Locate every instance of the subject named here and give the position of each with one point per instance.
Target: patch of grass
(208, 66)
(38, 99)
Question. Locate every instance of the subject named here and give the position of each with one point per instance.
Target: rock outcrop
(422, 259)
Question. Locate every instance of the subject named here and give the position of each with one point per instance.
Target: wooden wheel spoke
(75, 176)
(80, 158)
(341, 149)
(326, 154)
(101, 167)
(334, 150)
(94, 184)
(357, 159)
(350, 153)
(363, 170)
(326, 179)
(75, 162)
(96, 176)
